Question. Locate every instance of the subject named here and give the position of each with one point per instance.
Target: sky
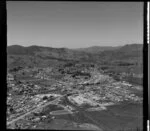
(74, 24)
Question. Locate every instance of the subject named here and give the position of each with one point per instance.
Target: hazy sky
(74, 24)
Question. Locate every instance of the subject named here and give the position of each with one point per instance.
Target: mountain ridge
(131, 53)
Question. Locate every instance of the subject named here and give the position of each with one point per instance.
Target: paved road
(20, 117)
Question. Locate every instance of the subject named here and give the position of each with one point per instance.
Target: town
(39, 95)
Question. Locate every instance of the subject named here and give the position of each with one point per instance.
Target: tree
(45, 98)
(11, 110)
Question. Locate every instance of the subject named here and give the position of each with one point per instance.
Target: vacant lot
(116, 117)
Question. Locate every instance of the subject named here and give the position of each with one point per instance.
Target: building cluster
(23, 104)
(79, 85)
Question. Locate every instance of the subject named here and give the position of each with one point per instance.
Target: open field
(116, 117)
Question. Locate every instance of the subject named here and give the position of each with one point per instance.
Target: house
(10, 77)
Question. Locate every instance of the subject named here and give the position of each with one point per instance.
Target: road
(20, 117)
(60, 112)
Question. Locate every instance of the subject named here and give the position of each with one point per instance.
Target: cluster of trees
(125, 64)
(78, 73)
(69, 64)
(15, 69)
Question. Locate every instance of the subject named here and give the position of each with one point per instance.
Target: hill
(126, 53)
(38, 55)
(97, 49)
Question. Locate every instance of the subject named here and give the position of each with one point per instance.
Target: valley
(50, 88)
